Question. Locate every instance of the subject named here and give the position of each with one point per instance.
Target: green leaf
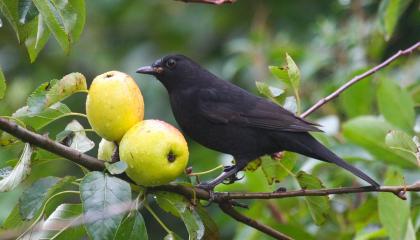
(65, 19)
(64, 223)
(275, 170)
(396, 105)
(318, 206)
(56, 198)
(9, 11)
(116, 168)
(293, 73)
(77, 138)
(279, 72)
(33, 198)
(37, 37)
(132, 228)
(389, 13)
(369, 132)
(103, 196)
(2, 84)
(32, 32)
(27, 11)
(394, 213)
(272, 93)
(211, 230)
(172, 202)
(54, 91)
(253, 165)
(358, 99)
(20, 171)
(13, 219)
(290, 75)
(401, 142)
(42, 118)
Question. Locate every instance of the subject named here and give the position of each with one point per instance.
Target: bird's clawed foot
(232, 179)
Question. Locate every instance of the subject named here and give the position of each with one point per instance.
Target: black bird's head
(173, 71)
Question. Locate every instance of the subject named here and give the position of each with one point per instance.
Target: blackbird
(228, 119)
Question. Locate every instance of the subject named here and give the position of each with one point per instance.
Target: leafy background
(371, 125)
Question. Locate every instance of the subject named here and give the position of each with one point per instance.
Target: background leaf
(369, 132)
(103, 197)
(396, 105)
(401, 142)
(65, 19)
(318, 206)
(32, 33)
(389, 13)
(394, 213)
(27, 11)
(2, 84)
(358, 100)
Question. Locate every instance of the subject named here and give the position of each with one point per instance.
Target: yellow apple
(114, 104)
(155, 152)
(106, 150)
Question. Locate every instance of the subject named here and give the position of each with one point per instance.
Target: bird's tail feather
(310, 147)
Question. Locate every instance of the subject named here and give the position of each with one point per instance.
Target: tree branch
(215, 2)
(46, 143)
(220, 197)
(356, 79)
(229, 210)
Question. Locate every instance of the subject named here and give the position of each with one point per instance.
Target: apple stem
(206, 172)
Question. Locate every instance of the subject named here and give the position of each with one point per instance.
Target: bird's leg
(227, 173)
(227, 168)
(219, 179)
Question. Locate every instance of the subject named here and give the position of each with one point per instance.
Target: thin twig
(215, 2)
(229, 210)
(356, 79)
(219, 197)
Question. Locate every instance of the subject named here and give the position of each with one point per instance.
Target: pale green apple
(156, 153)
(114, 104)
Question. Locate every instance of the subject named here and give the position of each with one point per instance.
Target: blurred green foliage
(330, 42)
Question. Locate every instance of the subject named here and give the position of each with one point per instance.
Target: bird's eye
(171, 63)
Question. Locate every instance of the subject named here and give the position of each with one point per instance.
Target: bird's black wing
(248, 110)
